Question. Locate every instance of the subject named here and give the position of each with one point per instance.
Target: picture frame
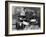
(11, 9)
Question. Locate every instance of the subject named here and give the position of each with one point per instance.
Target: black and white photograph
(24, 18)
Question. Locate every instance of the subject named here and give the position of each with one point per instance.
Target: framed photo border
(6, 18)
